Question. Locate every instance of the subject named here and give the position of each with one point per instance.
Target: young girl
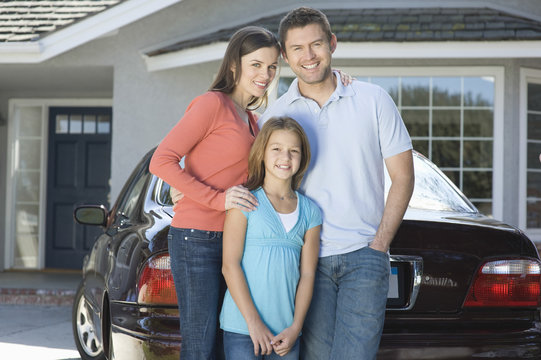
(270, 254)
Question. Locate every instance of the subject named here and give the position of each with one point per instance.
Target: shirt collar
(294, 94)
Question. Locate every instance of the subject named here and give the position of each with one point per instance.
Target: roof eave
(369, 50)
(81, 32)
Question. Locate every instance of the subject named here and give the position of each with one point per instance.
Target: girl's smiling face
(282, 155)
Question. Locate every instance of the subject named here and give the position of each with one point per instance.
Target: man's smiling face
(308, 52)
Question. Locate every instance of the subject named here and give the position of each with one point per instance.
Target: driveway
(36, 332)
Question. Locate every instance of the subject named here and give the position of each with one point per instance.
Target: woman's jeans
(346, 316)
(196, 264)
(241, 347)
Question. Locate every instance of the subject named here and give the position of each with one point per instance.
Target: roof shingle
(32, 20)
(410, 24)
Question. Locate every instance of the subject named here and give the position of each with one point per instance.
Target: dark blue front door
(79, 170)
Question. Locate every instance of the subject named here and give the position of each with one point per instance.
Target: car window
(131, 197)
(163, 195)
(433, 190)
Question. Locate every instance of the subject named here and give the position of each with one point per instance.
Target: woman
(214, 135)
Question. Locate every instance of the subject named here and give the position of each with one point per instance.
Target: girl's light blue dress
(271, 262)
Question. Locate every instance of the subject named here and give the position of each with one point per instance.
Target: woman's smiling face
(258, 69)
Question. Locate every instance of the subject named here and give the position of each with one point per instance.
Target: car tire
(84, 330)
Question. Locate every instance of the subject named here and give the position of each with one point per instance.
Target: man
(353, 130)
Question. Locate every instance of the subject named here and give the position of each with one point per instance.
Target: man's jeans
(196, 264)
(346, 316)
(241, 347)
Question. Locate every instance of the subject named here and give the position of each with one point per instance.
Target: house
(87, 87)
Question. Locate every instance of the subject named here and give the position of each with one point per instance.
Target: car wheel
(84, 331)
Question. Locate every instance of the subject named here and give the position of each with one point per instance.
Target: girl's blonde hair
(256, 165)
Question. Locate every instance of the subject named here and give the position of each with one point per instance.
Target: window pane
(27, 234)
(62, 124)
(534, 149)
(534, 214)
(534, 97)
(446, 91)
(484, 207)
(446, 123)
(454, 176)
(76, 124)
(477, 184)
(30, 154)
(104, 124)
(478, 123)
(416, 122)
(415, 91)
(534, 185)
(90, 124)
(446, 153)
(420, 146)
(283, 85)
(477, 154)
(30, 121)
(534, 127)
(27, 186)
(478, 91)
(390, 84)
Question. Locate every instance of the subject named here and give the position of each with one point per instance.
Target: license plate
(393, 284)
(396, 297)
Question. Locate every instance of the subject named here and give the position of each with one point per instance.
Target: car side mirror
(91, 215)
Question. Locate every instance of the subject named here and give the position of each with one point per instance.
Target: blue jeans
(196, 264)
(346, 316)
(241, 347)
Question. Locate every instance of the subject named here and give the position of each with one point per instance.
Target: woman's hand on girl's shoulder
(239, 197)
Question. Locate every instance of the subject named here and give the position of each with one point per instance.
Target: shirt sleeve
(394, 137)
(193, 127)
(315, 218)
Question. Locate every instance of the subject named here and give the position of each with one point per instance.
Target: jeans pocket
(379, 253)
(200, 235)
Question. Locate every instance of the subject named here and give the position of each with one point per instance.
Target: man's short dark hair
(300, 17)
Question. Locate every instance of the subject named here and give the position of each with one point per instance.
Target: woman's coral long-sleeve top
(215, 142)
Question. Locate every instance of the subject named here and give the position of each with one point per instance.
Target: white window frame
(497, 72)
(45, 104)
(526, 76)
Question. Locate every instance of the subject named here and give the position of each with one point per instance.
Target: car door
(102, 269)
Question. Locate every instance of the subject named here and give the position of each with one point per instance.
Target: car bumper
(513, 340)
(144, 332)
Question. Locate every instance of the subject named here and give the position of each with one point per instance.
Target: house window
(82, 123)
(451, 121)
(533, 151)
(26, 185)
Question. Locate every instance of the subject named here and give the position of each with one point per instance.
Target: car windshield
(433, 190)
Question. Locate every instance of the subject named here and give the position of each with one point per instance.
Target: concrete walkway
(35, 315)
(29, 332)
(38, 287)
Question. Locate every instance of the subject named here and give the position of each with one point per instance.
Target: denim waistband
(198, 231)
